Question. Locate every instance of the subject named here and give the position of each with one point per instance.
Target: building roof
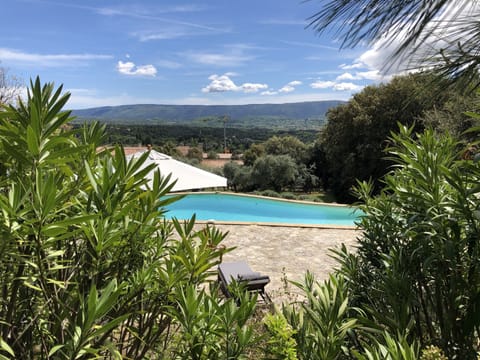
(187, 177)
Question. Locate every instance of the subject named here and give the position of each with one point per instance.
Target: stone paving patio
(288, 252)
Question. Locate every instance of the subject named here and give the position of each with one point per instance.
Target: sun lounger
(242, 273)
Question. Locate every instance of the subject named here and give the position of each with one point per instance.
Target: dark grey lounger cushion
(250, 276)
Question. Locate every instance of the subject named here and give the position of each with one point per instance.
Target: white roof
(188, 177)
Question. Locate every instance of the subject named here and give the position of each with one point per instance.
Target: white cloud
(294, 22)
(290, 86)
(346, 76)
(373, 75)
(49, 60)
(223, 83)
(347, 86)
(252, 88)
(87, 98)
(286, 89)
(136, 10)
(337, 86)
(351, 66)
(156, 14)
(220, 83)
(268, 93)
(378, 62)
(295, 83)
(129, 68)
(322, 84)
(442, 32)
(311, 45)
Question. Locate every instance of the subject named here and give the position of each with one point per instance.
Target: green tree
(413, 25)
(280, 343)
(212, 155)
(195, 153)
(238, 176)
(356, 133)
(253, 153)
(168, 148)
(318, 163)
(286, 145)
(274, 172)
(451, 116)
(306, 179)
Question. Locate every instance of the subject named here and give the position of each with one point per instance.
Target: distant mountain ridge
(240, 115)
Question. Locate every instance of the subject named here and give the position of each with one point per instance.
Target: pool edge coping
(272, 224)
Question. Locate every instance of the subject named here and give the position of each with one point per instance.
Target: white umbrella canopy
(188, 177)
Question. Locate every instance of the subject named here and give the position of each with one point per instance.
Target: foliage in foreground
(418, 263)
(87, 267)
(88, 270)
(412, 288)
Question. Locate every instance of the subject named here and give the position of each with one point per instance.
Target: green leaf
(55, 349)
(32, 141)
(5, 347)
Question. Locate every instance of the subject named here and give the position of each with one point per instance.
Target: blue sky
(181, 52)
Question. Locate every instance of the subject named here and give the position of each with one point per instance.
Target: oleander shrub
(321, 322)
(280, 344)
(89, 268)
(416, 270)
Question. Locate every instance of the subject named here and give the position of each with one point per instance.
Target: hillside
(304, 114)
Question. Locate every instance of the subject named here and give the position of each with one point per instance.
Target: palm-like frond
(434, 33)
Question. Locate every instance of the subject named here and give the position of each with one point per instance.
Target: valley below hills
(301, 115)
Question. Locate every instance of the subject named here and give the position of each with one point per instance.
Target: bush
(268, 193)
(323, 321)
(88, 269)
(288, 195)
(212, 155)
(304, 197)
(432, 353)
(195, 153)
(417, 268)
(280, 344)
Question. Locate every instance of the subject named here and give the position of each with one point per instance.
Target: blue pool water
(236, 208)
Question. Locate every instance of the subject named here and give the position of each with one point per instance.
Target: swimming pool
(221, 207)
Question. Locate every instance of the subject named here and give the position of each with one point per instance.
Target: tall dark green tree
(356, 133)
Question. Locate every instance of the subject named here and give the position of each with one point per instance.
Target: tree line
(210, 138)
(352, 146)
